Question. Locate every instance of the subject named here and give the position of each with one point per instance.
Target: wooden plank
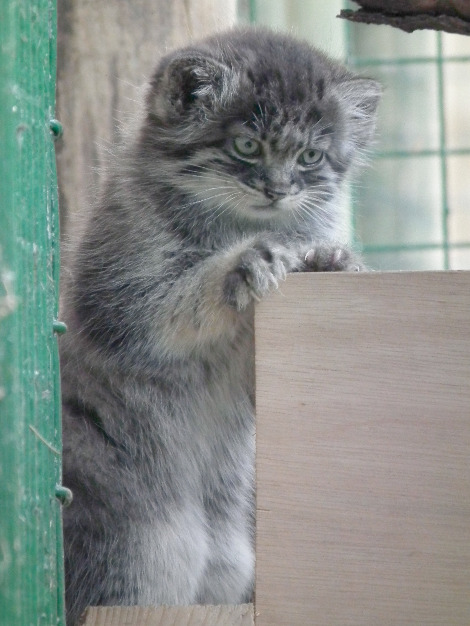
(363, 442)
(239, 615)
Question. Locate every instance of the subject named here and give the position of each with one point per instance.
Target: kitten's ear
(360, 98)
(188, 82)
(363, 95)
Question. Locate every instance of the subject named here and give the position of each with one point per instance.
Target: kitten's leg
(134, 563)
(256, 271)
(229, 575)
(136, 531)
(331, 257)
(229, 508)
(204, 305)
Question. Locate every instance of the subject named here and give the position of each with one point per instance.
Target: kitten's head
(255, 126)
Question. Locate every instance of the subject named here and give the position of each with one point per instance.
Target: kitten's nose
(274, 194)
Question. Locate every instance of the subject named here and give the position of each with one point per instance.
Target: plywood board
(363, 450)
(239, 615)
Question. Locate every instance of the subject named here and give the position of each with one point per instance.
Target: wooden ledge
(239, 615)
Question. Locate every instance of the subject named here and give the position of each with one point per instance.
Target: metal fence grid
(410, 210)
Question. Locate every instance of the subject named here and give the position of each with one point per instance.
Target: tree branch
(452, 16)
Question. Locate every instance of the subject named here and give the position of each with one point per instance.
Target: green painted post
(31, 574)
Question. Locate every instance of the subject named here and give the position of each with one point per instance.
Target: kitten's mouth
(260, 205)
(263, 202)
(270, 205)
(277, 204)
(273, 205)
(268, 209)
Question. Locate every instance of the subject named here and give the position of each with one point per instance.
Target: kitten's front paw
(258, 270)
(328, 257)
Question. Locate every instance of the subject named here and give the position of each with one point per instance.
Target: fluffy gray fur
(230, 182)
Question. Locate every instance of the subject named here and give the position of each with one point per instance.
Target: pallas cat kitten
(230, 182)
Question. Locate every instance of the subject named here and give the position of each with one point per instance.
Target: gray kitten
(230, 182)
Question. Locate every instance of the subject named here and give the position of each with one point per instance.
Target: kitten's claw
(258, 270)
(332, 258)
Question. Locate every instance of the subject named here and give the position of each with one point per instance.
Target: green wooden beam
(31, 573)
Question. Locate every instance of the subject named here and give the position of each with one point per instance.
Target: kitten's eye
(247, 147)
(310, 157)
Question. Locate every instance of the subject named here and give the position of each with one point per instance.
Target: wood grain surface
(363, 442)
(240, 615)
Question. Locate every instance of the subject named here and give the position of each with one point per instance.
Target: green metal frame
(31, 570)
